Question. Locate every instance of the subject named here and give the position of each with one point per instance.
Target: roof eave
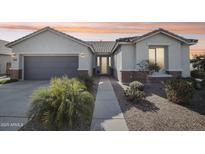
(193, 43)
(92, 49)
(163, 32)
(9, 45)
(117, 44)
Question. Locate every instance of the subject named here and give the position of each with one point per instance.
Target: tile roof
(136, 38)
(127, 39)
(102, 46)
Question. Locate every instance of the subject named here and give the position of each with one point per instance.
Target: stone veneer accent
(8, 66)
(15, 74)
(129, 76)
(175, 74)
(83, 72)
(157, 79)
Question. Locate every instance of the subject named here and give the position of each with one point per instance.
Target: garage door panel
(46, 67)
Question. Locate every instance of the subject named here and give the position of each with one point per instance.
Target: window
(98, 61)
(156, 56)
(109, 61)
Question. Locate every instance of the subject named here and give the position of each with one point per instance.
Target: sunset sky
(107, 31)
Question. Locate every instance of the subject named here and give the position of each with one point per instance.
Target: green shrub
(198, 62)
(86, 105)
(8, 81)
(179, 90)
(198, 74)
(64, 105)
(136, 85)
(135, 91)
(134, 95)
(192, 82)
(41, 103)
(89, 81)
(153, 67)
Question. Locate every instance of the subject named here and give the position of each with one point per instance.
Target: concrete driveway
(15, 102)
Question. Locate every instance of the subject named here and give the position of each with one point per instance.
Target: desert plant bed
(157, 113)
(66, 104)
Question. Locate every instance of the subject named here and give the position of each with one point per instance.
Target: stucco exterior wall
(128, 57)
(94, 61)
(174, 50)
(176, 55)
(4, 59)
(185, 62)
(117, 64)
(49, 43)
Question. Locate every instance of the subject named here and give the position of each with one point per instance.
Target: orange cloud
(192, 28)
(111, 27)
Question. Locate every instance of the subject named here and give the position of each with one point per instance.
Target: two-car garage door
(46, 67)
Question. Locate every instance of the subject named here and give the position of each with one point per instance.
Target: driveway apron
(107, 114)
(15, 99)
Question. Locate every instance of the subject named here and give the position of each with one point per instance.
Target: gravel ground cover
(156, 113)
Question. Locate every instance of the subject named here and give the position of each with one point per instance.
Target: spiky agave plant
(68, 104)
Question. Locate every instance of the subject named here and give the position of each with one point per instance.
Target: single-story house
(5, 58)
(47, 53)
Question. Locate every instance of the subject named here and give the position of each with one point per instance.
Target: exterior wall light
(83, 55)
(14, 57)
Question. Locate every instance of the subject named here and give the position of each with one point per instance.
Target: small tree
(198, 62)
(143, 65)
(147, 66)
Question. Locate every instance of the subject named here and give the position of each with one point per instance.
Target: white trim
(139, 71)
(14, 68)
(82, 69)
(180, 70)
(22, 67)
(160, 75)
(40, 55)
(125, 43)
(47, 54)
(114, 48)
(129, 70)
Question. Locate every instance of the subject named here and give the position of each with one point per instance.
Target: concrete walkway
(107, 113)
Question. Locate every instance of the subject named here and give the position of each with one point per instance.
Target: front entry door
(103, 68)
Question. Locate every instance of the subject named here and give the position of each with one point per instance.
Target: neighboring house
(5, 58)
(47, 53)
